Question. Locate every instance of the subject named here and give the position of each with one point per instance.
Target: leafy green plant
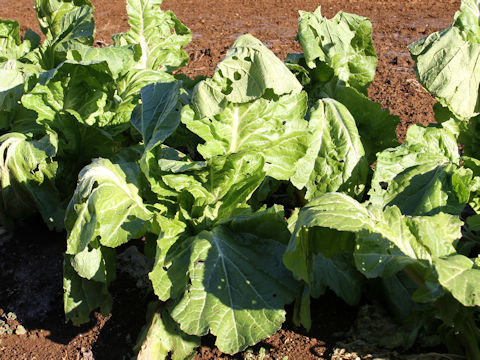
(260, 186)
(251, 129)
(64, 102)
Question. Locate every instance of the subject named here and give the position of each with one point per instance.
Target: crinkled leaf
(160, 34)
(119, 58)
(386, 240)
(12, 82)
(447, 62)
(51, 14)
(106, 204)
(208, 191)
(422, 175)
(249, 71)
(11, 46)
(335, 159)
(27, 174)
(344, 43)
(84, 91)
(66, 25)
(274, 128)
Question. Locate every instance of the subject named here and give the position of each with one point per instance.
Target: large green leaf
(422, 176)
(160, 35)
(105, 205)
(119, 58)
(27, 175)
(335, 159)
(274, 128)
(159, 113)
(343, 43)
(85, 91)
(249, 71)
(231, 282)
(51, 15)
(207, 191)
(387, 241)
(447, 62)
(66, 24)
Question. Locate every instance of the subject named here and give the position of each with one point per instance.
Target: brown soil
(31, 262)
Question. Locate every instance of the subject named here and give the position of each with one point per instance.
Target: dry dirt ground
(31, 262)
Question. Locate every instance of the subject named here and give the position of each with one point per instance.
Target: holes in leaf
(284, 122)
(35, 170)
(383, 185)
(248, 58)
(235, 57)
(165, 268)
(274, 295)
(237, 75)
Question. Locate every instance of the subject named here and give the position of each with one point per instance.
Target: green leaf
(66, 25)
(344, 43)
(118, 58)
(209, 191)
(81, 296)
(386, 240)
(12, 82)
(274, 128)
(447, 62)
(422, 175)
(233, 285)
(249, 71)
(106, 204)
(162, 339)
(160, 35)
(51, 14)
(335, 158)
(159, 113)
(11, 46)
(461, 277)
(27, 175)
(339, 274)
(377, 127)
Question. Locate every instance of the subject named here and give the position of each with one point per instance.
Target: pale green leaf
(344, 43)
(106, 204)
(162, 339)
(27, 175)
(422, 175)
(160, 34)
(447, 62)
(335, 159)
(248, 72)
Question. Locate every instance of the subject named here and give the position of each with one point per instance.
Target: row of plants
(258, 187)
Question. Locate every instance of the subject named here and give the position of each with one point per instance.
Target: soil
(31, 259)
